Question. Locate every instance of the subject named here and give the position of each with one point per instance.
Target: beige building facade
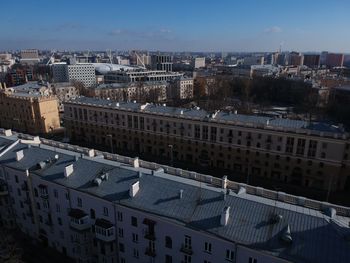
(293, 152)
(30, 113)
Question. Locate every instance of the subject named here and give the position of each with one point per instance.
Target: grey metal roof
(316, 237)
(195, 113)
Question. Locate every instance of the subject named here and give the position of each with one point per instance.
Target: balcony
(186, 249)
(79, 220)
(104, 230)
(150, 252)
(150, 236)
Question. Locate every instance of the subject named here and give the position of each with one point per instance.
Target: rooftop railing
(214, 181)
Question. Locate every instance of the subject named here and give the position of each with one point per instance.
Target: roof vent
(97, 181)
(331, 212)
(181, 193)
(225, 215)
(182, 112)
(57, 157)
(236, 112)
(139, 173)
(135, 162)
(241, 190)
(286, 235)
(8, 133)
(117, 104)
(19, 155)
(41, 165)
(224, 182)
(68, 170)
(134, 188)
(276, 218)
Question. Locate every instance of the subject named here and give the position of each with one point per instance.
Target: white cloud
(273, 29)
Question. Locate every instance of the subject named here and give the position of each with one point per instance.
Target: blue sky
(177, 25)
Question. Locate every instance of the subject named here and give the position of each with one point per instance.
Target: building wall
(34, 115)
(41, 210)
(260, 153)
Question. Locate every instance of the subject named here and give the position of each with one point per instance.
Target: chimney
(8, 133)
(135, 162)
(19, 155)
(68, 170)
(134, 188)
(181, 192)
(225, 215)
(224, 182)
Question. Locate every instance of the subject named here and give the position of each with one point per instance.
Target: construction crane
(139, 59)
(51, 57)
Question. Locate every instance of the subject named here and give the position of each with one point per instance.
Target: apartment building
(82, 72)
(181, 88)
(28, 112)
(99, 207)
(143, 75)
(155, 91)
(296, 152)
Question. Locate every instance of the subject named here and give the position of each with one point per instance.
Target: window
(229, 254)
(120, 216)
(301, 146)
(105, 211)
(121, 247)
(207, 247)
(58, 208)
(59, 220)
(135, 238)
(312, 148)
(188, 242)
(290, 144)
(92, 214)
(120, 232)
(187, 259)
(168, 242)
(122, 260)
(136, 253)
(80, 202)
(16, 179)
(252, 260)
(55, 193)
(207, 261)
(168, 259)
(134, 221)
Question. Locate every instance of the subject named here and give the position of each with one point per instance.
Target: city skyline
(209, 27)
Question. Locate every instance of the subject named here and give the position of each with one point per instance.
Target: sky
(177, 25)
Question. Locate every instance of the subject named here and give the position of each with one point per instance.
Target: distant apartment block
(29, 112)
(249, 61)
(162, 62)
(296, 152)
(199, 63)
(334, 60)
(311, 61)
(29, 56)
(155, 91)
(81, 72)
(180, 88)
(140, 76)
(104, 208)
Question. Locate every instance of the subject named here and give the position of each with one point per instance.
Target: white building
(99, 207)
(181, 88)
(6, 62)
(29, 56)
(199, 63)
(82, 72)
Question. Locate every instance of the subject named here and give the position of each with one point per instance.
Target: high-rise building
(29, 56)
(100, 207)
(81, 72)
(162, 62)
(199, 62)
(312, 60)
(334, 60)
(295, 59)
